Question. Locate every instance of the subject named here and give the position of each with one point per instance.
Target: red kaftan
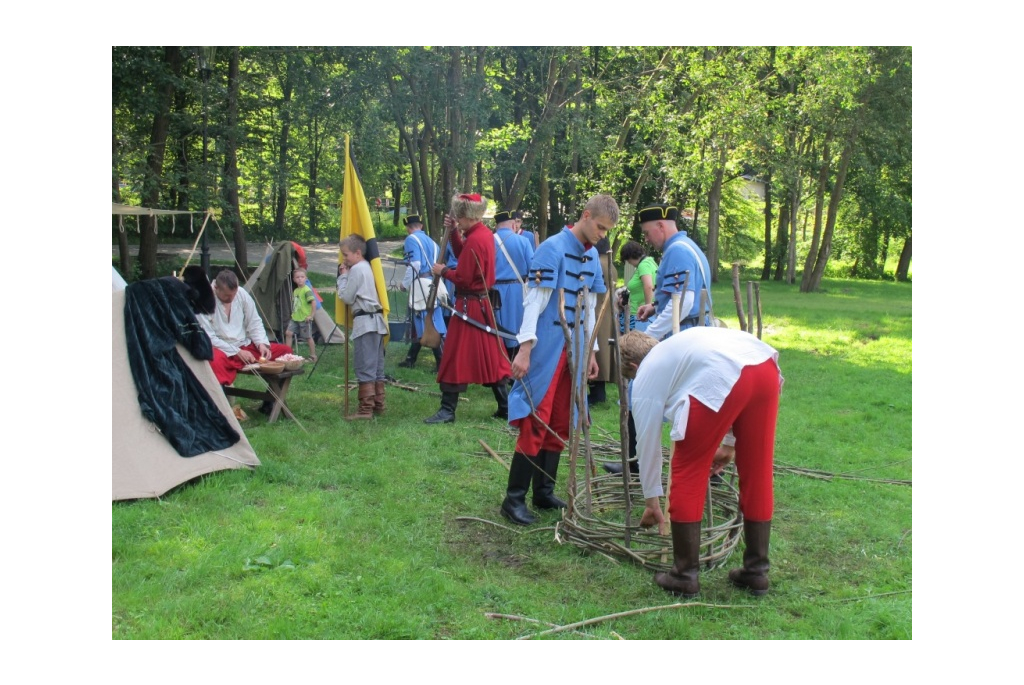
(472, 355)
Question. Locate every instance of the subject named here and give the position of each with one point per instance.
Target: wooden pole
(757, 298)
(750, 306)
(737, 296)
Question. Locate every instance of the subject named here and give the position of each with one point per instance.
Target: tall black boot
(754, 574)
(446, 414)
(634, 465)
(437, 359)
(500, 391)
(410, 359)
(684, 576)
(544, 481)
(514, 505)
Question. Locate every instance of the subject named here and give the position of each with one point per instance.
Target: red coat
(472, 355)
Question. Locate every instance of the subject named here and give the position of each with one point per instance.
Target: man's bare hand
(653, 513)
(723, 457)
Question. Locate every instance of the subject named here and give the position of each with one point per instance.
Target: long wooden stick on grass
(632, 612)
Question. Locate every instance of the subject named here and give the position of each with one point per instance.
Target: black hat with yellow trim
(412, 219)
(500, 217)
(657, 212)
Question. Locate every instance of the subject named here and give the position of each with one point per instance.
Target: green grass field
(353, 530)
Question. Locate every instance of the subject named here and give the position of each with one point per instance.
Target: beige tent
(144, 463)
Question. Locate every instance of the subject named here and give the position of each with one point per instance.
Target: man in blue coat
(683, 264)
(540, 403)
(420, 254)
(683, 269)
(512, 256)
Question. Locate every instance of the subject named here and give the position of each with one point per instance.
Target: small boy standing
(357, 289)
(303, 302)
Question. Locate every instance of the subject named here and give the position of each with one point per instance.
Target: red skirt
(472, 355)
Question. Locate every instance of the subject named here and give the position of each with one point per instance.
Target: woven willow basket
(597, 521)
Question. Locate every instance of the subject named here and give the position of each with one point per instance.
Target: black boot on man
(754, 574)
(634, 465)
(683, 578)
(544, 481)
(500, 391)
(437, 359)
(446, 414)
(514, 505)
(410, 358)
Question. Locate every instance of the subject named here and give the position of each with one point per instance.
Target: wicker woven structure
(600, 524)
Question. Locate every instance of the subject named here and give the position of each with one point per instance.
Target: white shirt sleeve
(534, 303)
(647, 415)
(413, 268)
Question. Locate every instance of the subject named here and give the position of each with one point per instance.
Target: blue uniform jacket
(676, 261)
(561, 261)
(420, 247)
(508, 276)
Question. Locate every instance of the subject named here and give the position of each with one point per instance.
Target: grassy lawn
(352, 530)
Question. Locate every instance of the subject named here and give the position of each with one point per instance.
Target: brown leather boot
(754, 574)
(367, 393)
(684, 576)
(379, 404)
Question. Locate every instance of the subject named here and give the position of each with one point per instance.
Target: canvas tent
(271, 287)
(144, 462)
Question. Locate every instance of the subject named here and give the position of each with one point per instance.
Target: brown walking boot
(684, 577)
(379, 405)
(367, 393)
(754, 574)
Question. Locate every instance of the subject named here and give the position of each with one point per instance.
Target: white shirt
(244, 326)
(702, 362)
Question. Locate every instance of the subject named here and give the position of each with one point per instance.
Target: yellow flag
(355, 218)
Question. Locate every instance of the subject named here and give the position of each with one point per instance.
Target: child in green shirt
(303, 302)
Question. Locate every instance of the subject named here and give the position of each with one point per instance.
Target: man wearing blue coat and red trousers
(542, 392)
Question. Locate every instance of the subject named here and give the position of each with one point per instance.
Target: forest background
(823, 134)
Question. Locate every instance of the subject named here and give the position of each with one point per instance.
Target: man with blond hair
(540, 403)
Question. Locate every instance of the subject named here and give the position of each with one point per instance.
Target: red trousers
(554, 410)
(226, 368)
(751, 409)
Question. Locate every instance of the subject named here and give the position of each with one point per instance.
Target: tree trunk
(819, 209)
(714, 212)
(541, 135)
(766, 270)
(155, 162)
(781, 237)
(542, 202)
(234, 213)
(282, 158)
(903, 268)
(794, 202)
(833, 213)
(314, 166)
(396, 194)
(124, 254)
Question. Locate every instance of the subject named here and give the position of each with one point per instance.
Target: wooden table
(276, 391)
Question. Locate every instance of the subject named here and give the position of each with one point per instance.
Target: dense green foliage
(826, 131)
(352, 530)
